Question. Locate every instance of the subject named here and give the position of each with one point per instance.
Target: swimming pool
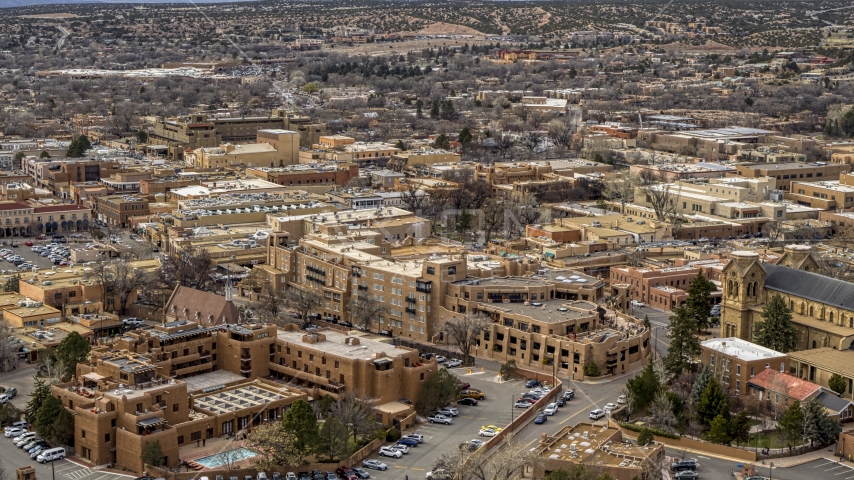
(223, 458)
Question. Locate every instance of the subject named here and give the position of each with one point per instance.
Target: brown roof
(58, 208)
(206, 308)
(796, 388)
(13, 206)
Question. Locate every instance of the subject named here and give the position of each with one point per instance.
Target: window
(106, 438)
(175, 407)
(738, 369)
(712, 360)
(751, 372)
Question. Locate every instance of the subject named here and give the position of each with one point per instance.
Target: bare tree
(773, 231)
(560, 134)
(356, 412)
(506, 463)
(413, 197)
(465, 330)
(661, 412)
(620, 187)
(365, 308)
(660, 198)
(8, 351)
(302, 301)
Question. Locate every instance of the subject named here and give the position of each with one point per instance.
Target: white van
(51, 455)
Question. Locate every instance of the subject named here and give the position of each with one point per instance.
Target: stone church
(822, 307)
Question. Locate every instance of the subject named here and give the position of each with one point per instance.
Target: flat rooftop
(738, 348)
(547, 311)
(218, 378)
(593, 445)
(336, 344)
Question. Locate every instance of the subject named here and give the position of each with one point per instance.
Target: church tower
(799, 257)
(743, 284)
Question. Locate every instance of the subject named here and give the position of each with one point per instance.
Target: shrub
(639, 428)
(393, 435)
(645, 436)
(591, 369)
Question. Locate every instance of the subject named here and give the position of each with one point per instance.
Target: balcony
(409, 310)
(410, 299)
(424, 287)
(363, 287)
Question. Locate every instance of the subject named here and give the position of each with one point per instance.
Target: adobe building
(595, 444)
(735, 362)
(285, 142)
(181, 382)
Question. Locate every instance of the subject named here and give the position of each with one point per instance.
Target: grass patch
(770, 440)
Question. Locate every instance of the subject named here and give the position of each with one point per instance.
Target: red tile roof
(796, 388)
(59, 208)
(13, 205)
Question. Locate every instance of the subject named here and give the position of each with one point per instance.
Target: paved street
(22, 379)
(13, 457)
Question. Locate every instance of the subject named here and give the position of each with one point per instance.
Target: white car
(610, 407)
(449, 411)
(440, 359)
(636, 303)
(454, 363)
(488, 432)
(390, 452)
(374, 464)
(621, 399)
(14, 432)
(550, 409)
(597, 414)
(400, 448)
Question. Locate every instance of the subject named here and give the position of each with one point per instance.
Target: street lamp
(770, 466)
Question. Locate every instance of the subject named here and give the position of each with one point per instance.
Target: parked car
(409, 442)
(438, 474)
(621, 399)
(361, 472)
(473, 393)
(390, 452)
(14, 432)
(636, 303)
(550, 409)
(488, 432)
(51, 455)
(684, 464)
(133, 322)
(331, 476)
(689, 475)
(400, 448)
(467, 401)
(454, 363)
(28, 243)
(532, 383)
(346, 473)
(449, 411)
(596, 414)
(610, 407)
(374, 464)
(522, 404)
(11, 392)
(568, 395)
(440, 359)
(560, 402)
(465, 385)
(440, 419)
(541, 419)
(415, 436)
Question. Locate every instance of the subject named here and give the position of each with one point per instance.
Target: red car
(29, 243)
(465, 386)
(529, 400)
(346, 473)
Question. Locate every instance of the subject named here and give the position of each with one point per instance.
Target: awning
(94, 377)
(150, 421)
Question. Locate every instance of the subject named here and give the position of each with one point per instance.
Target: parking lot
(13, 457)
(497, 409)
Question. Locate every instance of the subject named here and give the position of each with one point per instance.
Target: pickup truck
(440, 419)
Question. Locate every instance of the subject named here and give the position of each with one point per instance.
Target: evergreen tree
(739, 428)
(53, 421)
(712, 403)
(684, 346)
(719, 432)
(41, 390)
(465, 137)
(447, 110)
(418, 106)
(434, 109)
(78, 147)
(837, 383)
(301, 422)
(72, 350)
(441, 142)
(819, 429)
(152, 454)
(776, 331)
(699, 300)
(791, 424)
(700, 384)
(643, 388)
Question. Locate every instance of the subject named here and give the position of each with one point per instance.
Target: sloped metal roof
(833, 402)
(812, 286)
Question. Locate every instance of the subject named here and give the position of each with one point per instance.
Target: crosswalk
(73, 471)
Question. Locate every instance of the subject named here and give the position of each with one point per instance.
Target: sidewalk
(785, 462)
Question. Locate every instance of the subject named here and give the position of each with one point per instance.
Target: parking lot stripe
(400, 466)
(481, 418)
(419, 469)
(582, 410)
